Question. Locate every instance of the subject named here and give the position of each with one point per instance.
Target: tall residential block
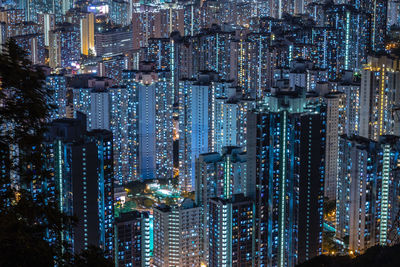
(177, 235)
(87, 34)
(152, 122)
(379, 95)
(232, 232)
(286, 162)
(367, 203)
(83, 181)
(132, 231)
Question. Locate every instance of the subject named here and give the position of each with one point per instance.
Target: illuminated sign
(99, 9)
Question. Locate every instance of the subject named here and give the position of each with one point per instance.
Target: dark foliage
(136, 187)
(377, 256)
(29, 216)
(93, 256)
(26, 219)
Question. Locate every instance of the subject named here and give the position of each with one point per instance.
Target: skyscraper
(213, 50)
(378, 10)
(333, 102)
(111, 108)
(125, 135)
(90, 96)
(367, 203)
(151, 121)
(254, 63)
(83, 181)
(100, 110)
(113, 67)
(132, 231)
(230, 119)
(232, 232)
(117, 108)
(196, 122)
(87, 34)
(33, 44)
(64, 46)
(226, 131)
(218, 176)
(350, 45)
(152, 21)
(379, 93)
(57, 84)
(350, 107)
(286, 150)
(119, 12)
(49, 24)
(177, 235)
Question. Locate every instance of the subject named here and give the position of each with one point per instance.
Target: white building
(177, 235)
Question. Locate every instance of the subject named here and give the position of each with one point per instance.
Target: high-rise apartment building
(379, 93)
(378, 11)
(350, 45)
(113, 41)
(253, 63)
(83, 181)
(113, 67)
(213, 50)
(197, 113)
(231, 119)
(57, 84)
(139, 113)
(333, 101)
(87, 34)
(349, 107)
(132, 231)
(33, 44)
(100, 110)
(49, 23)
(64, 46)
(177, 235)
(286, 151)
(218, 176)
(119, 12)
(159, 51)
(232, 232)
(151, 121)
(125, 142)
(151, 21)
(367, 204)
(91, 97)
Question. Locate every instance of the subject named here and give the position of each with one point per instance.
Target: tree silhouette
(31, 222)
(376, 256)
(27, 215)
(93, 256)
